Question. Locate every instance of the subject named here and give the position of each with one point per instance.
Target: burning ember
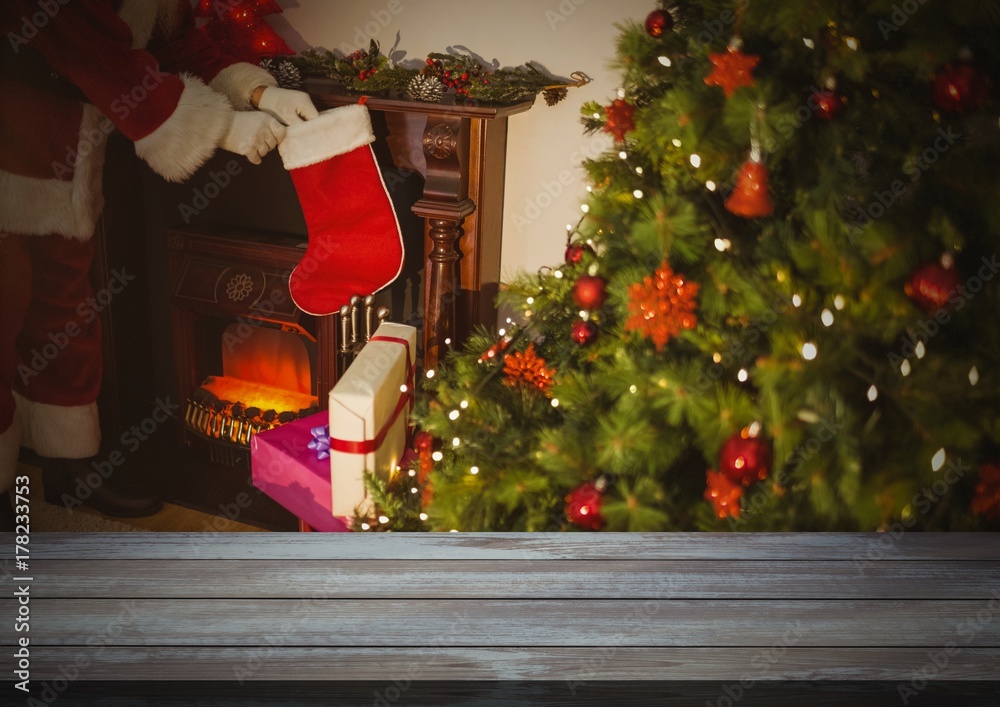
(234, 410)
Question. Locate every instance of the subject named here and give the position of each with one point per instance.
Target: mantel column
(444, 206)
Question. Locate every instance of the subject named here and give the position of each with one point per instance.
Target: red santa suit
(73, 72)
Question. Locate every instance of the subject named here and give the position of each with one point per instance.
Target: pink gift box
(289, 472)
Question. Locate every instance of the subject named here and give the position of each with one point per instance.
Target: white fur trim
(59, 432)
(335, 132)
(10, 447)
(39, 207)
(188, 138)
(237, 82)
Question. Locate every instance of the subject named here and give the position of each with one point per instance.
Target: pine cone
(285, 73)
(425, 88)
(554, 95)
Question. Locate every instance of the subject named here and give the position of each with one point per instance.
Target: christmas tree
(780, 308)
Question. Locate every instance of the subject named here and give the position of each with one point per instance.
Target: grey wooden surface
(572, 607)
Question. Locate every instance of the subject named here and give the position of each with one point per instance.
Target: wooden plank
(574, 665)
(491, 623)
(513, 579)
(719, 547)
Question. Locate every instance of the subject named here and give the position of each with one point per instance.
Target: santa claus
(71, 72)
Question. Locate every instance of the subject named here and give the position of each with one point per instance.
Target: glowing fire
(258, 395)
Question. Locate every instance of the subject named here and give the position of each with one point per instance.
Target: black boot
(75, 482)
(7, 516)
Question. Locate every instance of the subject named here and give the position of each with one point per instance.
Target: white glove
(252, 135)
(287, 106)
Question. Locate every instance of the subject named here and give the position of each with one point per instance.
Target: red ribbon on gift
(370, 445)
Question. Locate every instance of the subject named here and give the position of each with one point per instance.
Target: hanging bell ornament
(751, 198)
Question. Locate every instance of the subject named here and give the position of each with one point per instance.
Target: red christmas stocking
(355, 245)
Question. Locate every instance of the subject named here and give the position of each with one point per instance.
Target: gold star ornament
(733, 70)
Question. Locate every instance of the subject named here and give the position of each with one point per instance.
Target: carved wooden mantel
(465, 148)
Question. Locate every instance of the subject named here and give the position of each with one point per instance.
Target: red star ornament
(732, 70)
(619, 119)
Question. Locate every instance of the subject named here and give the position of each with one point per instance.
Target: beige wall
(544, 182)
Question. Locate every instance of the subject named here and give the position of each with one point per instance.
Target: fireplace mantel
(465, 149)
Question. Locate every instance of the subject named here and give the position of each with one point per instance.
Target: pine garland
(370, 72)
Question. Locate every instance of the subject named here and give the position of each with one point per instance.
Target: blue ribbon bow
(321, 441)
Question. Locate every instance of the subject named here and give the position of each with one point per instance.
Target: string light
(454, 415)
(710, 185)
(637, 193)
(827, 317)
(530, 300)
(838, 302)
(365, 526)
(447, 342)
(633, 389)
(852, 43)
(639, 170)
(873, 394)
(723, 244)
(383, 519)
(555, 402)
(464, 404)
(905, 368)
(974, 376)
(937, 461)
(414, 490)
(796, 301)
(665, 60)
(503, 332)
(809, 43)
(452, 531)
(423, 516)
(584, 208)
(717, 357)
(623, 155)
(437, 456)
(558, 274)
(412, 472)
(676, 142)
(696, 161)
(754, 429)
(743, 375)
(403, 388)
(474, 470)
(920, 350)
(809, 351)
(456, 442)
(597, 116)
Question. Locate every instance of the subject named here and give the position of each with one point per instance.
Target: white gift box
(369, 415)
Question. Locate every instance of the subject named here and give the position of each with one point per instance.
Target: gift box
(369, 415)
(296, 476)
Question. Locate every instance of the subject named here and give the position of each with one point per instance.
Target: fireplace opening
(263, 379)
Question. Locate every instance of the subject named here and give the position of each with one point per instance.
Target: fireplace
(246, 359)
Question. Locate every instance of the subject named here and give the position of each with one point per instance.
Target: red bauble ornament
(828, 104)
(590, 292)
(423, 441)
(745, 460)
(575, 253)
(583, 507)
(986, 502)
(931, 285)
(583, 332)
(658, 22)
(619, 119)
(751, 198)
(960, 88)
